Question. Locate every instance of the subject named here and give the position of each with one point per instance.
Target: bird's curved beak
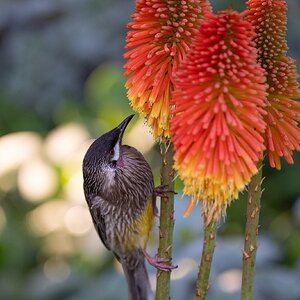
(121, 128)
(117, 134)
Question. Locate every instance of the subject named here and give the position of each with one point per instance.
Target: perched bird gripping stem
(120, 193)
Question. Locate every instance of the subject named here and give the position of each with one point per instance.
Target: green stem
(251, 233)
(209, 241)
(166, 220)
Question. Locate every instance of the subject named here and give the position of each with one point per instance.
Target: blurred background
(61, 86)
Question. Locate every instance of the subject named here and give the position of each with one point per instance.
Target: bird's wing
(97, 216)
(99, 223)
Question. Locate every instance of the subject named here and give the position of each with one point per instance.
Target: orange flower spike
(269, 20)
(283, 113)
(217, 124)
(158, 40)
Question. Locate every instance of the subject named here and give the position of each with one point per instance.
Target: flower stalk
(251, 233)
(209, 241)
(166, 220)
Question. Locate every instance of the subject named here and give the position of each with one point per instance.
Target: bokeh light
(185, 266)
(64, 141)
(74, 188)
(230, 280)
(16, 148)
(56, 269)
(48, 217)
(78, 220)
(37, 180)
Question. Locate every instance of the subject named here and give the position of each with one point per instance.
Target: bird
(120, 193)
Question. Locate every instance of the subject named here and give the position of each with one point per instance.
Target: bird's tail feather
(138, 281)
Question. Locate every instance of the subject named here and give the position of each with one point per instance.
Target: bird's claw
(161, 190)
(161, 259)
(159, 262)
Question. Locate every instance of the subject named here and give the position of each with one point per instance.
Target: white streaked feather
(116, 152)
(110, 176)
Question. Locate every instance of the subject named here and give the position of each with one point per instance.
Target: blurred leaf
(106, 95)
(15, 117)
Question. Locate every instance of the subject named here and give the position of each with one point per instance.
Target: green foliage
(106, 96)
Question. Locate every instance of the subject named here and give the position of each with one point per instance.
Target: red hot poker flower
(159, 38)
(217, 123)
(269, 19)
(283, 113)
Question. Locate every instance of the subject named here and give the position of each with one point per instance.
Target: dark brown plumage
(119, 190)
(118, 186)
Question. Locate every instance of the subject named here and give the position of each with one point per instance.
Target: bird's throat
(120, 163)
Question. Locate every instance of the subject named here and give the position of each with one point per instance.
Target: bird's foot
(161, 190)
(159, 262)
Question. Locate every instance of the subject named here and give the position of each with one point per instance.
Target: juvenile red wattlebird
(119, 190)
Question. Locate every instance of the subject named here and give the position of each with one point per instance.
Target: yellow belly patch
(138, 231)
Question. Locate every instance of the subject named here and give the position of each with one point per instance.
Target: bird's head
(106, 150)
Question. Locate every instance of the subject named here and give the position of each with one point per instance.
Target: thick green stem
(166, 220)
(251, 233)
(209, 241)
